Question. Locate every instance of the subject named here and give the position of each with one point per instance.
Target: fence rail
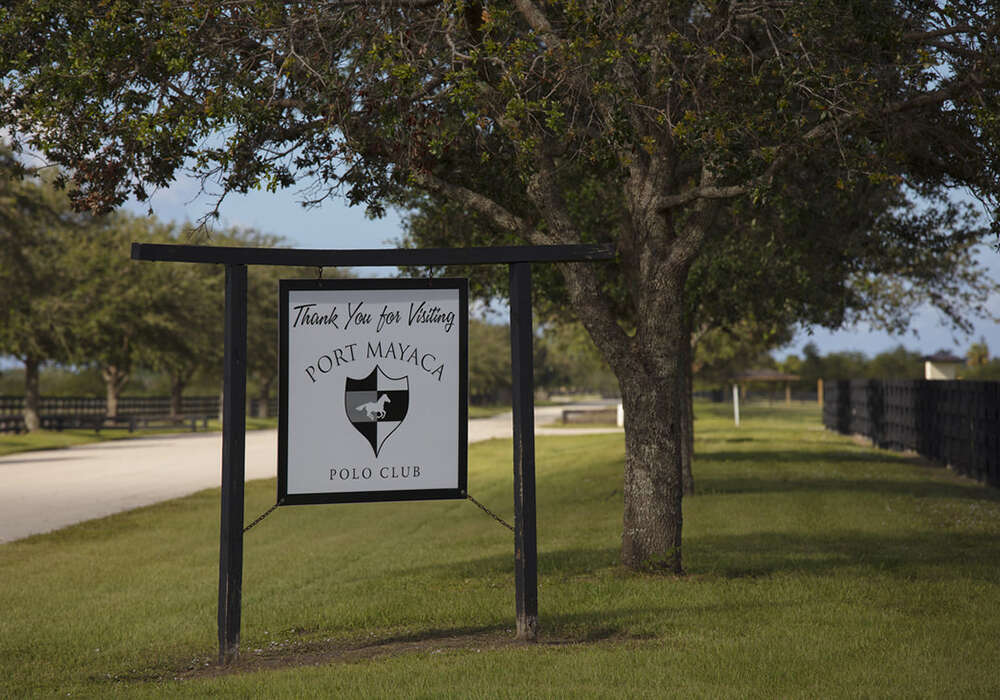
(131, 405)
(58, 412)
(953, 422)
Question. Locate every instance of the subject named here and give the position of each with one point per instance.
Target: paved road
(46, 490)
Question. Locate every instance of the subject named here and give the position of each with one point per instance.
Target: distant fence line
(953, 422)
(53, 409)
(776, 396)
(92, 406)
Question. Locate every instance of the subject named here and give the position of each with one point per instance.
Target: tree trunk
(687, 425)
(656, 248)
(32, 395)
(687, 463)
(177, 384)
(114, 380)
(654, 382)
(654, 416)
(263, 399)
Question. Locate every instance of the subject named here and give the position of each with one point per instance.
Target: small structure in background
(942, 365)
(589, 415)
(769, 376)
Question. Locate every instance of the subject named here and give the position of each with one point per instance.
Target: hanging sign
(373, 390)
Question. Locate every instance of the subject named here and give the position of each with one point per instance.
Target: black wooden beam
(233, 463)
(389, 257)
(522, 374)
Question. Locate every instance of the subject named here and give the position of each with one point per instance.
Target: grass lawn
(51, 439)
(816, 568)
(487, 411)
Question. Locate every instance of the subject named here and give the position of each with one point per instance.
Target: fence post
(736, 404)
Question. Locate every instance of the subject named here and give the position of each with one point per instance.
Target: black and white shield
(376, 405)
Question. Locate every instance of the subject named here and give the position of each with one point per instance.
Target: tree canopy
(678, 114)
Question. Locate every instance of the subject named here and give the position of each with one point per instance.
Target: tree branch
(706, 192)
(545, 193)
(945, 31)
(500, 216)
(537, 21)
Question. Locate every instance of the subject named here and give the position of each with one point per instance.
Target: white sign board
(373, 390)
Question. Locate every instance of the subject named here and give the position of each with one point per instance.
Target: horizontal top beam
(303, 257)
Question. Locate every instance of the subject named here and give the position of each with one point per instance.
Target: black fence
(953, 422)
(60, 412)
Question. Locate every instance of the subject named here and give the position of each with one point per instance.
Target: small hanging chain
(469, 496)
(490, 513)
(262, 516)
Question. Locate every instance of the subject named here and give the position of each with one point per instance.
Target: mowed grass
(816, 568)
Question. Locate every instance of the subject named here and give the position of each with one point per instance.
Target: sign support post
(233, 463)
(525, 535)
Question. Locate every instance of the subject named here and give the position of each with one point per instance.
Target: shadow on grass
(932, 554)
(803, 456)
(719, 485)
(936, 553)
(794, 484)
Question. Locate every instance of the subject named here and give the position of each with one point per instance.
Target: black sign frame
(236, 260)
(461, 491)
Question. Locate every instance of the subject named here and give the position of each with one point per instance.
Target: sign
(374, 390)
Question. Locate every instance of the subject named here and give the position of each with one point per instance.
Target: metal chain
(490, 513)
(261, 517)
(469, 496)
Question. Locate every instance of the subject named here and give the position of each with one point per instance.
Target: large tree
(683, 108)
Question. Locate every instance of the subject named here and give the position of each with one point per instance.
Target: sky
(336, 225)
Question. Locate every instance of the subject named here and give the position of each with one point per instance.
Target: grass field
(816, 568)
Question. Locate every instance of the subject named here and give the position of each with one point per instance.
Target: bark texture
(32, 395)
(114, 380)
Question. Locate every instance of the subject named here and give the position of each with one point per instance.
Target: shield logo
(376, 405)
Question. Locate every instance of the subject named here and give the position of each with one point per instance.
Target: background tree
(722, 353)
(978, 353)
(680, 112)
(35, 311)
(196, 334)
(126, 310)
(566, 359)
(489, 363)
(898, 363)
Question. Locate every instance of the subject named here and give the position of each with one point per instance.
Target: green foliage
(989, 371)
(34, 281)
(981, 366)
(566, 359)
(55, 381)
(978, 353)
(721, 353)
(489, 362)
(898, 363)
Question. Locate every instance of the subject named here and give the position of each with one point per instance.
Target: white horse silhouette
(375, 410)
